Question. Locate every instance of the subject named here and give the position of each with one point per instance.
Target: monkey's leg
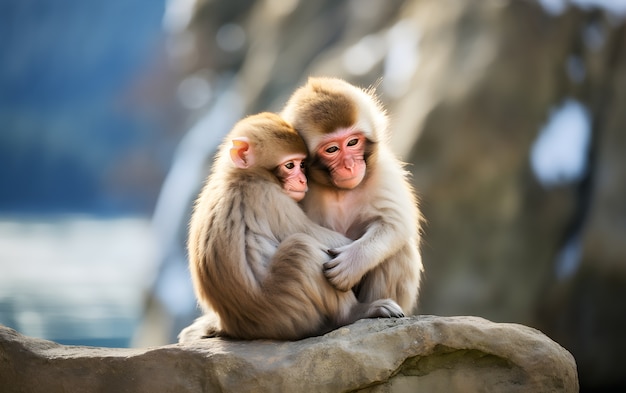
(301, 258)
(397, 278)
(302, 301)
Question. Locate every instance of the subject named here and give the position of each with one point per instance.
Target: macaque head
(342, 152)
(265, 142)
(341, 125)
(290, 172)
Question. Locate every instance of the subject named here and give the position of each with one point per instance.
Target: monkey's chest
(341, 212)
(345, 221)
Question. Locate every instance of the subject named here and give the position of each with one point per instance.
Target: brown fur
(380, 214)
(255, 258)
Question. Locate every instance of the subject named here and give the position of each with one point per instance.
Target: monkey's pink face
(342, 153)
(291, 174)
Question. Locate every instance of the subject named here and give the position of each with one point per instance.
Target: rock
(443, 354)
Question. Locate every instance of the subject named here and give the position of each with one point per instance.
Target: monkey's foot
(385, 308)
(206, 326)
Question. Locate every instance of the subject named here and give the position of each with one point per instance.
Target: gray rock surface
(438, 354)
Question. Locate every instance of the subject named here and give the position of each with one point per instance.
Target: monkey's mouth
(348, 183)
(296, 195)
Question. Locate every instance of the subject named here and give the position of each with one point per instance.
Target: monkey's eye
(302, 164)
(290, 165)
(332, 149)
(353, 142)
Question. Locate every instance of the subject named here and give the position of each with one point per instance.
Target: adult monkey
(255, 258)
(359, 188)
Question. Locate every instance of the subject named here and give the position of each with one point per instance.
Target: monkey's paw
(342, 271)
(385, 308)
(205, 326)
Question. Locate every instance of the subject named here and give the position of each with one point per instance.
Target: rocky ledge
(434, 354)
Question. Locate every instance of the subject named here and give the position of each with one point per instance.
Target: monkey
(359, 188)
(255, 258)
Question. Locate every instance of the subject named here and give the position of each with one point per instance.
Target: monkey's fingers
(336, 276)
(332, 253)
(386, 308)
(333, 263)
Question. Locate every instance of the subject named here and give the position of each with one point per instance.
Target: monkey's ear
(241, 152)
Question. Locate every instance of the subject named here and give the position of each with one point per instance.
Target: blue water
(76, 279)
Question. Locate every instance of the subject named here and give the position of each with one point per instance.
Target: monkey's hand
(344, 270)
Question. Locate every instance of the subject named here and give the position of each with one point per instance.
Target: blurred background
(510, 113)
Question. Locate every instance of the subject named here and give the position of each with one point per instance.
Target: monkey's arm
(328, 237)
(393, 221)
(288, 218)
(381, 240)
